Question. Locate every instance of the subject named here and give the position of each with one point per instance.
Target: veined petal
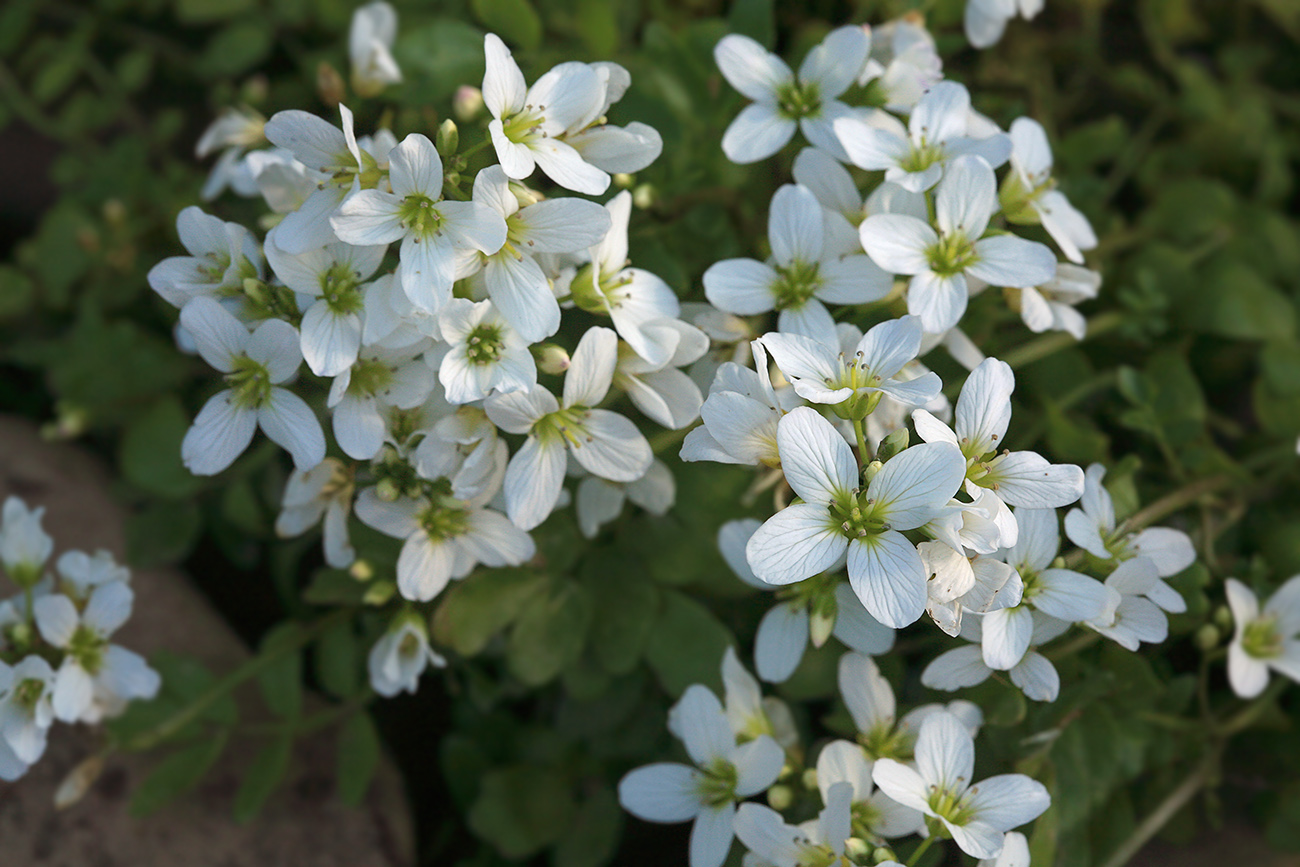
(966, 198)
(733, 536)
(797, 542)
(867, 694)
(522, 293)
(945, 753)
(1036, 677)
(939, 301)
(1009, 800)
(794, 226)
(780, 642)
(740, 286)
(834, 64)
(533, 481)
(956, 669)
(1070, 596)
(885, 348)
(330, 341)
(504, 88)
(592, 369)
(750, 68)
(941, 114)
(1171, 550)
(984, 408)
(367, 217)
(897, 242)
(220, 433)
(902, 784)
(816, 460)
(613, 449)
(843, 761)
(1007, 260)
(855, 626)
(414, 167)
(914, 485)
(868, 147)
(698, 718)
(758, 764)
(756, 133)
(1027, 479)
(663, 792)
(424, 567)
(1007, 633)
(219, 337)
(886, 573)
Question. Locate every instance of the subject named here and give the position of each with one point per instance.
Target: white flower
(608, 147)
(706, 793)
(915, 157)
(804, 272)
(26, 709)
(527, 122)
(515, 281)
(662, 392)
(641, 305)
(333, 276)
(24, 546)
(442, 540)
(605, 443)
(600, 501)
(959, 583)
(843, 207)
(772, 841)
(332, 152)
(1136, 618)
(941, 262)
(904, 63)
(749, 712)
(96, 678)
(783, 102)
(254, 366)
(977, 816)
(433, 231)
(324, 491)
(232, 131)
(986, 19)
(856, 380)
(837, 514)
(485, 354)
(464, 448)
(740, 417)
(1263, 639)
(1022, 479)
(370, 43)
(80, 573)
(819, 608)
(222, 256)
(844, 762)
(361, 396)
(1050, 306)
(399, 657)
(1092, 528)
(1029, 193)
(1034, 674)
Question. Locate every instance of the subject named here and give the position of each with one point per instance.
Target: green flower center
(1260, 639)
(858, 516)
(87, 647)
(522, 127)
(921, 157)
(797, 102)
(370, 376)
(485, 344)
(884, 741)
(568, 424)
(796, 283)
(339, 287)
(250, 381)
(418, 214)
(29, 692)
(955, 808)
(952, 255)
(443, 523)
(717, 783)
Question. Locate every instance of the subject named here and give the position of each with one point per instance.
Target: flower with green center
(444, 539)
(604, 443)
(838, 515)
(874, 814)
(915, 157)
(783, 102)
(1029, 193)
(812, 844)
(940, 262)
(334, 275)
(370, 43)
(26, 710)
(401, 655)
(24, 546)
(808, 269)
(324, 491)
(96, 678)
(1263, 640)
(255, 364)
(370, 398)
(706, 791)
(485, 354)
(222, 256)
(434, 232)
(976, 816)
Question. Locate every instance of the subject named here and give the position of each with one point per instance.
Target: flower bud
(780, 797)
(448, 138)
(623, 180)
(892, 445)
(379, 593)
(1208, 637)
(361, 570)
(78, 782)
(810, 779)
(857, 849)
(551, 358)
(869, 471)
(387, 490)
(467, 104)
(883, 854)
(329, 85)
(1223, 618)
(645, 196)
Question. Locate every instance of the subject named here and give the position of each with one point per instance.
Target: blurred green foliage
(1175, 124)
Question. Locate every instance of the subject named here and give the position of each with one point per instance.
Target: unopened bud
(76, 784)
(1223, 618)
(810, 778)
(467, 103)
(256, 291)
(114, 212)
(883, 854)
(329, 85)
(623, 180)
(551, 358)
(780, 797)
(869, 471)
(71, 421)
(892, 444)
(448, 138)
(644, 196)
(821, 623)
(1208, 637)
(857, 849)
(379, 593)
(361, 570)
(387, 490)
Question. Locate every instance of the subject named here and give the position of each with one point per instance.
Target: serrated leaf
(358, 758)
(264, 776)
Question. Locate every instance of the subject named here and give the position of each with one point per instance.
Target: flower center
(796, 283)
(951, 806)
(87, 647)
(485, 344)
(799, 101)
(885, 742)
(1260, 639)
(858, 516)
(29, 692)
(419, 216)
(717, 783)
(338, 286)
(442, 523)
(568, 423)
(526, 125)
(250, 381)
(952, 255)
(921, 157)
(370, 376)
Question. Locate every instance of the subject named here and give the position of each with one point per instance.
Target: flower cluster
(57, 661)
(437, 339)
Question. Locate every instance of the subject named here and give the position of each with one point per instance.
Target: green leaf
(473, 611)
(150, 453)
(1234, 300)
(549, 633)
(626, 605)
(338, 661)
(264, 776)
(236, 49)
(202, 11)
(334, 587)
(176, 774)
(358, 758)
(281, 679)
(514, 21)
(593, 836)
(686, 644)
(755, 19)
(437, 56)
(522, 809)
(162, 533)
(17, 292)
(597, 25)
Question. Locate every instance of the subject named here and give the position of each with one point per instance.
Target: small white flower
(843, 762)
(605, 443)
(784, 102)
(600, 501)
(774, 842)
(837, 514)
(1050, 306)
(977, 816)
(332, 152)
(706, 792)
(362, 395)
(1263, 640)
(805, 272)
(324, 491)
(985, 20)
(234, 130)
(442, 540)
(1034, 674)
(1029, 193)
(222, 256)
(662, 392)
(484, 353)
(940, 262)
(80, 573)
(26, 708)
(962, 583)
(370, 43)
(904, 63)
(937, 133)
(740, 417)
(399, 657)
(749, 712)
(464, 448)
(254, 366)
(24, 546)
(433, 230)
(1136, 618)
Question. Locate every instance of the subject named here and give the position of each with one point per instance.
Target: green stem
(1168, 808)
(860, 433)
(919, 851)
(232, 681)
(1041, 347)
(308, 724)
(666, 439)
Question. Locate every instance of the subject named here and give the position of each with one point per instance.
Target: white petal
(939, 301)
(941, 114)
(887, 575)
(750, 68)
(915, 485)
(504, 88)
(56, 619)
(366, 217)
(711, 836)
(613, 448)
(1006, 260)
(1170, 550)
(794, 544)
(866, 692)
(855, 626)
(220, 433)
(835, 63)
(898, 243)
(1009, 800)
(844, 762)
(966, 198)
(758, 764)
(955, 669)
(740, 286)
(816, 461)
(424, 567)
(780, 641)
(794, 226)
(984, 408)
(756, 133)
(109, 607)
(592, 368)
(901, 784)
(533, 481)
(219, 337)
(664, 792)
(290, 423)
(415, 168)
(1070, 596)
(945, 752)
(1036, 677)
(1006, 636)
(698, 718)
